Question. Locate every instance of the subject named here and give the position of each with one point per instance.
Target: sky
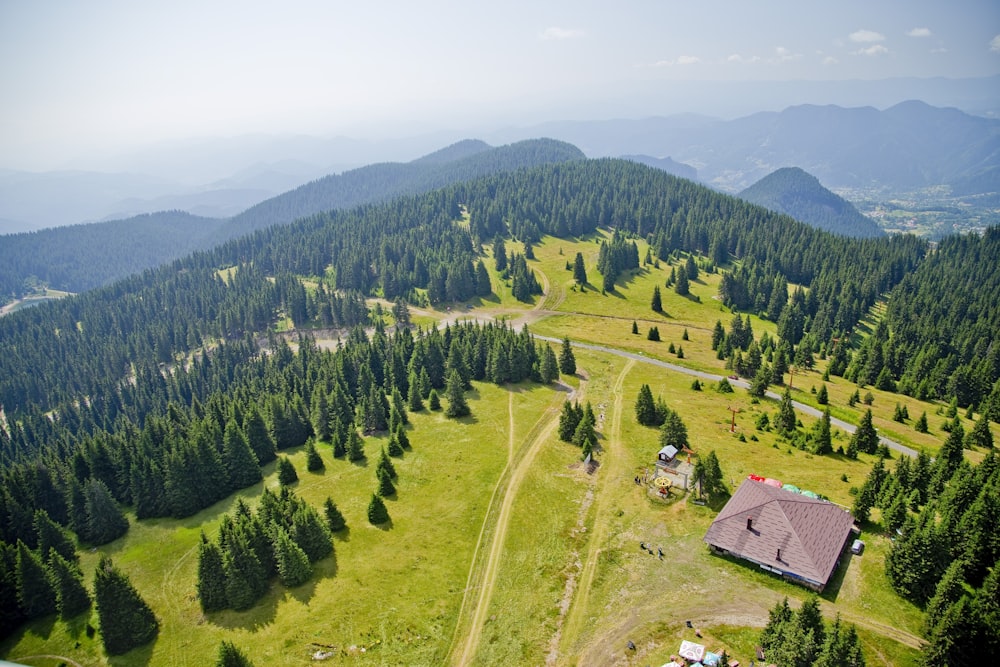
(105, 76)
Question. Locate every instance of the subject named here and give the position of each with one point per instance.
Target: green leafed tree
(126, 621)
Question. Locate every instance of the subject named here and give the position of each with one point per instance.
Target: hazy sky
(101, 75)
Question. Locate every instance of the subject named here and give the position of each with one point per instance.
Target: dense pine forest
(167, 390)
(83, 257)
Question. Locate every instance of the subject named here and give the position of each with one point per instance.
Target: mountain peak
(799, 194)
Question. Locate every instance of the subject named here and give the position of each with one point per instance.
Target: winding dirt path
(486, 565)
(60, 658)
(611, 473)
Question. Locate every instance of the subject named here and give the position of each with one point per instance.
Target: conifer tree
(334, 518)
(785, 423)
(246, 578)
(865, 438)
(384, 462)
(395, 449)
(126, 621)
(385, 485)
(567, 361)
(656, 303)
(211, 581)
(579, 270)
(241, 462)
(53, 538)
(980, 435)
(645, 408)
(397, 407)
(294, 568)
(231, 656)
(823, 395)
(457, 405)
(71, 595)
(682, 286)
(415, 402)
(377, 513)
(320, 416)
(355, 447)
(635, 328)
(339, 448)
(311, 533)
(402, 438)
(286, 471)
(34, 588)
(105, 520)
(822, 439)
(434, 401)
(549, 369)
(314, 461)
(673, 432)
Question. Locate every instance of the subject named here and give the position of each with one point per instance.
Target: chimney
(779, 555)
(749, 523)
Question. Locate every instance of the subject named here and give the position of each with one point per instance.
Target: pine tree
(246, 578)
(549, 369)
(415, 402)
(656, 304)
(395, 449)
(434, 401)
(579, 270)
(654, 334)
(334, 519)
(673, 432)
(785, 423)
(645, 409)
(822, 439)
(53, 538)
(865, 438)
(71, 595)
(457, 405)
(258, 435)
(126, 621)
(355, 447)
(402, 438)
(822, 396)
(385, 485)
(241, 462)
(105, 520)
(567, 361)
(314, 461)
(320, 416)
(682, 286)
(569, 419)
(980, 435)
(293, 564)
(948, 591)
(920, 426)
(635, 328)
(34, 588)
(377, 512)
(211, 577)
(286, 472)
(385, 463)
(231, 656)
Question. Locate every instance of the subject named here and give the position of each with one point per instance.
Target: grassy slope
(398, 592)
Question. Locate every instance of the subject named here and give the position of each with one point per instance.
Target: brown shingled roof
(810, 533)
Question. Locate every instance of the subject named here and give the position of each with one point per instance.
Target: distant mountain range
(79, 257)
(907, 146)
(800, 195)
(666, 164)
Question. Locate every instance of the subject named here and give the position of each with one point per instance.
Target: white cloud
(830, 60)
(688, 60)
(919, 32)
(555, 33)
(781, 54)
(873, 50)
(866, 36)
(995, 43)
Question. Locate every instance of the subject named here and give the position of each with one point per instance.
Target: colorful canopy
(791, 487)
(773, 482)
(809, 494)
(691, 651)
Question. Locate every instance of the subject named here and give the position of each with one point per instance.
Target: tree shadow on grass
(141, 655)
(385, 526)
(262, 613)
(343, 535)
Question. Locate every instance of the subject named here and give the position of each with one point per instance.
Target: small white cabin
(667, 454)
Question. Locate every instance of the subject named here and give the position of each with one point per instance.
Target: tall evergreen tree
(314, 461)
(457, 405)
(785, 423)
(53, 538)
(865, 438)
(377, 512)
(334, 518)
(567, 361)
(211, 582)
(241, 462)
(674, 432)
(549, 368)
(71, 595)
(980, 435)
(126, 621)
(682, 286)
(105, 520)
(246, 578)
(355, 446)
(34, 588)
(286, 471)
(258, 435)
(294, 568)
(645, 408)
(656, 303)
(579, 270)
(311, 533)
(822, 438)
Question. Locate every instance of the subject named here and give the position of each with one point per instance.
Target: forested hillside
(82, 257)
(76, 258)
(791, 191)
